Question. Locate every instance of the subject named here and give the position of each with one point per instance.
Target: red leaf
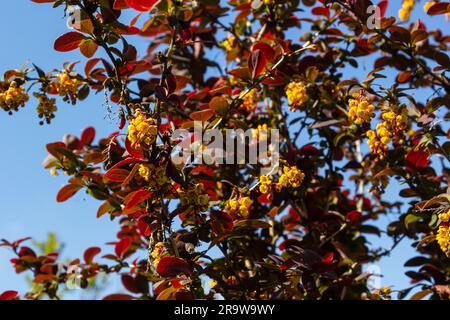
(265, 199)
(403, 77)
(122, 246)
(383, 7)
(137, 197)
(439, 8)
(116, 175)
(321, 11)
(88, 136)
(354, 216)
(141, 5)
(68, 41)
(257, 63)
(120, 4)
(67, 192)
(139, 154)
(419, 159)
(144, 228)
(171, 266)
(266, 50)
(202, 115)
(9, 295)
(90, 253)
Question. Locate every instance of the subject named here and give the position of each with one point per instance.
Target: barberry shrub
(232, 230)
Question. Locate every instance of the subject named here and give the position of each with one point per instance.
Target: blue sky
(28, 191)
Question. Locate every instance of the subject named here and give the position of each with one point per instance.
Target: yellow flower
(46, 107)
(395, 123)
(445, 217)
(265, 183)
(239, 206)
(67, 87)
(231, 205)
(250, 100)
(443, 234)
(292, 177)
(296, 94)
(228, 43)
(142, 131)
(361, 111)
(212, 284)
(407, 7)
(157, 253)
(443, 238)
(13, 97)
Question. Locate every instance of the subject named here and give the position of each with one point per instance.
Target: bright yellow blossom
(142, 131)
(67, 86)
(13, 97)
(250, 100)
(228, 43)
(296, 94)
(239, 206)
(265, 183)
(443, 234)
(292, 177)
(407, 7)
(361, 111)
(394, 124)
(157, 253)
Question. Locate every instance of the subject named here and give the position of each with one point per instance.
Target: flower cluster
(361, 111)
(443, 234)
(46, 107)
(264, 184)
(292, 177)
(142, 131)
(250, 100)
(239, 206)
(296, 95)
(195, 197)
(157, 253)
(394, 123)
(228, 43)
(155, 176)
(406, 9)
(13, 97)
(67, 86)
